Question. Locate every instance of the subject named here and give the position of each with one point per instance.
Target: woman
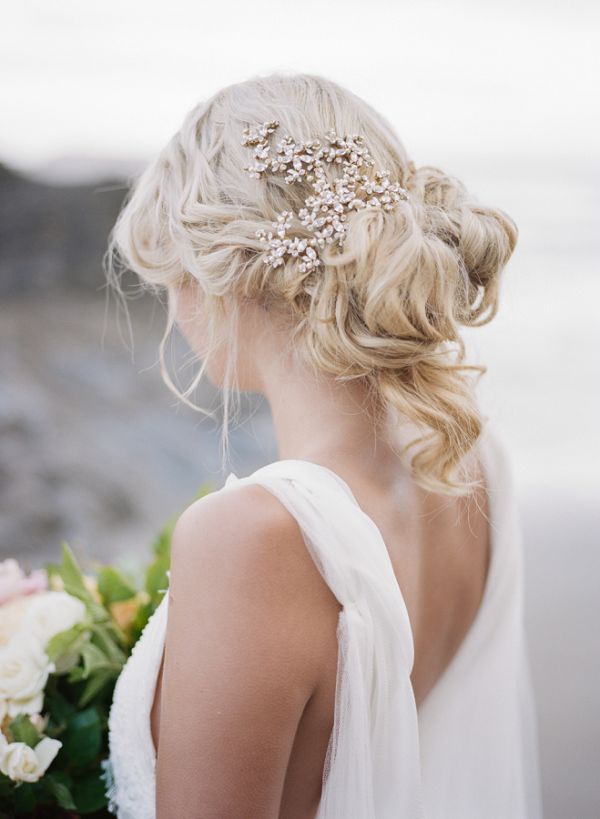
(343, 635)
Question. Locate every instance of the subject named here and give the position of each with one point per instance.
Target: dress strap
(372, 766)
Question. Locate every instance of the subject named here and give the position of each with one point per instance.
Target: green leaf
(113, 586)
(94, 685)
(69, 641)
(74, 583)
(104, 636)
(25, 797)
(6, 787)
(57, 705)
(23, 730)
(116, 632)
(89, 793)
(59, 791)
(82, 740)
(156, 579)
(94, 658)
(141, 618)
(95, 661)
(76, 674)
(71, 574)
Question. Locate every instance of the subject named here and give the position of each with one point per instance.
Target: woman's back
(439, 549)
(469, 749)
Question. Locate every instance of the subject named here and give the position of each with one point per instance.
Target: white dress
(468, 752)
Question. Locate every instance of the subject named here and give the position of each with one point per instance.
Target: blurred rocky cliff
(53, 236)
(93, 446)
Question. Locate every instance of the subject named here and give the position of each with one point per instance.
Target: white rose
(24, 764)
(12, 615)
(52, 612)
(24, 669)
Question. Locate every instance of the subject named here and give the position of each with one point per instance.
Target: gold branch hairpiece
(324, 213)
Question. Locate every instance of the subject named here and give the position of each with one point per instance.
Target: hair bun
(388, 308)
(484, 238)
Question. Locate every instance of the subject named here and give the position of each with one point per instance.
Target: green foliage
(74, 583)
(97, 670)
(111, 640)
(82, 740)
(95, 651)
(22, 729)
(57, 787)
(26, 797)
(113, 586)
(95, 659)
(67, 642)
(141, 618)
(58, 706)
(89, 793)
(156, 580)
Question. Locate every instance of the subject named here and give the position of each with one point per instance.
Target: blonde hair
(387, 308)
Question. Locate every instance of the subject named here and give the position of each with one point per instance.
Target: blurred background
(94, 448)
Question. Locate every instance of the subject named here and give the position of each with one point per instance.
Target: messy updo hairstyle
(386, 308)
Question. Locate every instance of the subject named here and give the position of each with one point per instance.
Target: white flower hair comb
(324, 213)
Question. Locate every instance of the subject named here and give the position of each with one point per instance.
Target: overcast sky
(113, 79)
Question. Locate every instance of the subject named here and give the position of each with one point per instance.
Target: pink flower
(15, 583)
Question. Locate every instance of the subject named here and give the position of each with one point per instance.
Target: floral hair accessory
(324, 213)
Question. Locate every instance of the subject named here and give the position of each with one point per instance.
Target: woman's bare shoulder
(246, 522)
(244, 540)
(242, 514)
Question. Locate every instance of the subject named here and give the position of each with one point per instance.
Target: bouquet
(64, 638)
